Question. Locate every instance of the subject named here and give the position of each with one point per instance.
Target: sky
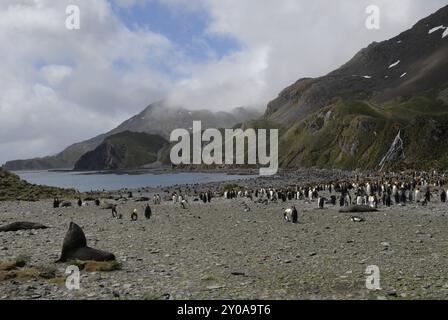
(61, 86)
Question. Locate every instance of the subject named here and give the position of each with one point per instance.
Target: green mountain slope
(13, 188)
(354, 134)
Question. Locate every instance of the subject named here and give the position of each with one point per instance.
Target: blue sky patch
(185, 28)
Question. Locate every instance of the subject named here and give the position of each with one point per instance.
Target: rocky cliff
(123, 150)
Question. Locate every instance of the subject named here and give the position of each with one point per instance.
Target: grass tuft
(94, 266)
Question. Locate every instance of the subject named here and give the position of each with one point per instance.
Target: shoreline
(246, 177)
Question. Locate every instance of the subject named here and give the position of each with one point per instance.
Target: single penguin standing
(294, 215)
(134, 215)
(428, 195)
(114, 211)
(321, 202)
(342, 200)
(148, 212)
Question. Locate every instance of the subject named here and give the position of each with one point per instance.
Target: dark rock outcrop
(126, 150)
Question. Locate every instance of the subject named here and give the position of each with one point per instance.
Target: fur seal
(16, 226)
(66, 204)
(75, 247)
(108, 206)
(357, 208)
(142, 199)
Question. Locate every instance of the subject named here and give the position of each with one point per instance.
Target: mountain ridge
(367, 74)
(349, 118)
(157, 118)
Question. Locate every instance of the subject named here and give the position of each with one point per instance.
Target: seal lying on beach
(16, 226)
(107, 206)
(358, 208)
(75, 247)
(66, 204)
(142, 199)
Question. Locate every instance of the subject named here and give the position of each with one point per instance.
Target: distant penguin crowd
(356, 194)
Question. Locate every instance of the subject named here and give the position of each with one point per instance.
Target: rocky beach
(219, 250)
(213, 151)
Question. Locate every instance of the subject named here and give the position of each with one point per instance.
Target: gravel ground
(218, 251)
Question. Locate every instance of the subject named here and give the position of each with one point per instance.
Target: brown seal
(75, 247)
(16, 226)
(357, 208)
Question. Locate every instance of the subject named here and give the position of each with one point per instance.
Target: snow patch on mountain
(436, 29)
(394, 64)
(445, 33)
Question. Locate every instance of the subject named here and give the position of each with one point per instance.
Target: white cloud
(54, 74)
(61, 86)
(236, 80)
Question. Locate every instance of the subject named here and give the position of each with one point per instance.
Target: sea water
(94, 181)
